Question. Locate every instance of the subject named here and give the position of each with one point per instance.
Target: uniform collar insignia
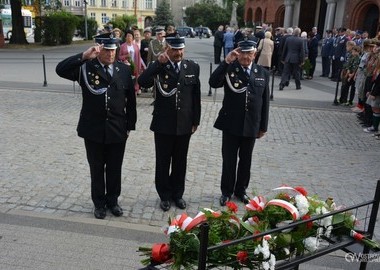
(185, 66)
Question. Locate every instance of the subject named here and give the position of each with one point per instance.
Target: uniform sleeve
(130, 111)
(146, 79)
(217, 77)
(197, 99)
(69, 68)
(265, 106)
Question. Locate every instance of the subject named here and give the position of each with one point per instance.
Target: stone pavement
(46, 219)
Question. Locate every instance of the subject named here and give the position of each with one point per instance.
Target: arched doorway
(365, 16)
(258, 16)
(371, 20)
(279, 17)
(249, 16)
(307, 16)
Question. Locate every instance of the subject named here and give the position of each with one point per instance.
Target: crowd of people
(350, 57)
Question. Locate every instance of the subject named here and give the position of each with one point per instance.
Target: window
(92, 3)
(66, 3)
(5, 2)
(92, 15)
(148, 4)
(114, 3)
(103, 3)
(124, 4)
(104, 18)
(77, 3)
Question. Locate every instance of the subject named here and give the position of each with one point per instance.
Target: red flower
(161, 252)
(242, 257)
(232, 206)
(309, 224)
(301, 190)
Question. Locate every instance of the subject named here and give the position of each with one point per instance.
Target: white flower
(263, 249)
(311, 244)
(302, 204)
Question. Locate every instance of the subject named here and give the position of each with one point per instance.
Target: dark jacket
(293, 50)
(339, 50)
(218, 38)
(242, 114)
(104, 118)
(178, 113)
(313, 47)
(327, 47)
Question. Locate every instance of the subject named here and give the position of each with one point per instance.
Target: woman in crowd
(130, 55)
(266, 47)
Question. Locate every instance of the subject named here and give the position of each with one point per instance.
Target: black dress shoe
(287, 83)
(116, 210)
(223, 199)
(100, 213)
(298, 88)
(243, 198)
(165, 205)
(281, 87)
(180, 203)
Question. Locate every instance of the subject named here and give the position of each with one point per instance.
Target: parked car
(206, 32)
(186, 31)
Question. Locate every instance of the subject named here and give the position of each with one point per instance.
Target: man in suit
(243, 116)
(176, 116)
(293, 57)
(218, 44)
(108, 114)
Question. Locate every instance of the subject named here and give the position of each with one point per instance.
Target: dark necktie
(108, 74)
(176, 68)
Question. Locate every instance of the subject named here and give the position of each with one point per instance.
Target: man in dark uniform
(243, 117)
(339, 54)
(176, 116)
(108, 114)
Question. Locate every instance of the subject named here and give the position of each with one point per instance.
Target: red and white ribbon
(357, 236)
(287, 206)
(256, 204)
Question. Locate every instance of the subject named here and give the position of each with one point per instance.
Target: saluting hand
(92, 52)
(163, 57)
(232, 56)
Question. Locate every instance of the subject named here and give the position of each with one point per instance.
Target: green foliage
(92, 27)
(124, 22)
(164, 16)
(58, 28)
(207, 13)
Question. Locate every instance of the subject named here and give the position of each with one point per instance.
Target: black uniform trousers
(236, 181)
(105, 162)
(171, 150)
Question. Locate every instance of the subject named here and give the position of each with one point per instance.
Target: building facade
(324, 14)
(104, 11)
